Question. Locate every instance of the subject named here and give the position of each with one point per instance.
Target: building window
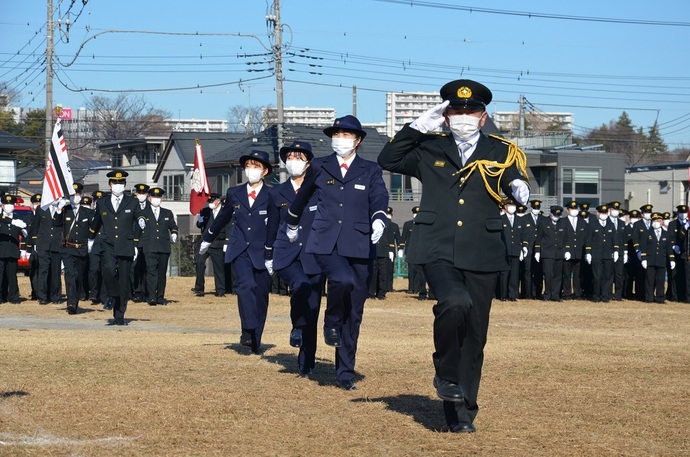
(663, 187)
(174, 187)
(401, 188)
(581, 185)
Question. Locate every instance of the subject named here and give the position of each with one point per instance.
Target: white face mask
(573, 212)
(535, 211)
(634, 219)
(75, 199)
(117, 189)
(682, 217)
(510, 209)
(656, 224)
(8, 209)
(212, 205)
(646, 216)
(253, 175)
(142, 197)
(343, 146)
(603, 216)
(555, 218)
(463, 126)
(296, 167)
(615, 213)
(155, 202)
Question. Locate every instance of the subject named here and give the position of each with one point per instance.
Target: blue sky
(594, 69)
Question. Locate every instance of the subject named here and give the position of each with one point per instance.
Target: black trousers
(553, 278)
(461, 323)
(156, 274)
(116, 274)
(138, 275)
(75, 269)
(8, 271)
(572, 280)
(379, 281)
(655, 284)
(218, 261)
(510, 280)
(49, 281)
(602, 273)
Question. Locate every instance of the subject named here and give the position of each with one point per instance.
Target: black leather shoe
(332, 337)
(220, 295)
(116, 322)
(43, 302)
(71, 309)
(448, 391)
(137, 299)
(305, 372)
(151, 301)
(162, 301)
(296, 338)
(347, 385)
(462, 428)
(246, 338)
(200, 294)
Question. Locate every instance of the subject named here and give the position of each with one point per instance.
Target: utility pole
(354, 101)
(49, 78)
(278, 59)
(522, 115)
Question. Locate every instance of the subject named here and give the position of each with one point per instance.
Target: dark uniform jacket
(74, 231)
(575, 237)
(119, 229)
(459, 221)
(657, 252)
(514, 236)
(9, 238)
(43, 235)
(602, 241)
(156, 234)
(551, 242)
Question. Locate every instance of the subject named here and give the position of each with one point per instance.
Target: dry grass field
(566, 379)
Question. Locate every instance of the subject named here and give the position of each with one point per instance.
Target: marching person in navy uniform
(457, 235)
(249, 204)
(116, 221)
(575, 234)
(656, 250)
(602, 250)
(46, 243)
(550, 250)
(351, 214)
(138, 274)
(159, 234)
(11, 229)
(216, 251)
(290, 261)
(73, 220)
(97, 292)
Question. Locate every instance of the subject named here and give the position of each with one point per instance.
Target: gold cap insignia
(118, 175)
(464, 92)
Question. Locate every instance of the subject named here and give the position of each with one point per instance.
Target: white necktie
(658, 234)
(510, 218)
(464, 147)
(155, 213)
(117, 203)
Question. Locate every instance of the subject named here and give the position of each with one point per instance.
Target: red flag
(58, 181)
(200, 192)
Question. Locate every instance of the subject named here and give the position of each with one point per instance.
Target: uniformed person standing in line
(533, 275)
(601, 252)
(73, 221)
(349, 221)
(47, 244)
(248, 203)
(382, 275)
(138, 275)
(116, 219)
(679, 230)
(656, 250)
(457, 236)
(619, 264)
(516, 244)
(97, 292)
(639, 233)
(216, 251)
(159, 233)
(632, 265)
(11, 229)
(394, 240)
(415, 273)
(549, 250)
(575, 234)
(33, 258)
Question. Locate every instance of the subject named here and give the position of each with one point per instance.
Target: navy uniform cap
(348, 122)
(682, 208)
(584, 206)
(415, 209)
(213, 197)
(465, 93)
(572, 205)
(86, 200)
(36, 198)
(635, 213)
(117, 176)
(602, 208)
(536, 204)
(260, 156)
(301, 146)
(615, 205)
(9, 199)
(667, 215)
(556, 210)
(78, 187)
(657, 215)
(646, 208)
(142, 188)
(96, 194)
(521, 209)
(156, 192)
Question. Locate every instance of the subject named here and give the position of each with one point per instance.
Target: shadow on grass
(14, 393)
(323, 373)
(423, 410)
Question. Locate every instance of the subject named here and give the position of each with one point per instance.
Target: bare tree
(9, 95)
(125, 117)
(246, 119)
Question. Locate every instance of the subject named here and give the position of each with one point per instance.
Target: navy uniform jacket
(249, 232)
(346, 206)
(156, 233)
(43, 235)
(74, 232)
(406, 234)
(221, 237)
(602, 242)
(119, 229)
(9, 238)
(575, 238)
(514, 236)
(550, 243)
(639, 232)
(530, 229)
(657, 252)
(459, 221)
(284, 252)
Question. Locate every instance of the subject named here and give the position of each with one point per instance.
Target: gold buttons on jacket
(461, 201)
(459, 223)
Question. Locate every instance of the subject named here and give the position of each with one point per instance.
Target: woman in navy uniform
(351, 214)
(11, 229)
(290, 261)
(457, 235)
(249, 204)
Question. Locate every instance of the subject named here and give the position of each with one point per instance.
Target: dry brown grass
(572, 378)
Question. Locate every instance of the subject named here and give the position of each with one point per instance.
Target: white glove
(639, 255)
(225, 247)
(61, 203)
(173, 238)
(537, 256)
(23, 254)
(616, 255)
(269, 266)
(136, 254)
(204, 247)
(567, 256)
(673, 264)
(25, 233)
(625, 257)
(588, 258)
(401, 253)
(292, 233)
(200, 219)
(676, 249)
(89, 245)
(431, 119)
(520, 191)
(391, 256)
(19, 223)
(644, 264)
(142, 223)
(377, 230)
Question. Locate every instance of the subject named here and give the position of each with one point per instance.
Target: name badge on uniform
(440, 163)
(85, 220)
(262, 212)
(360, 187)
(237, 206)
(283, 205)
(105, 213)
(128, 211)
(166, 218)
(330, 182)
(68, 218)
(313, 208)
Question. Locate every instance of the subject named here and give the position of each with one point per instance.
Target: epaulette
(502, 140)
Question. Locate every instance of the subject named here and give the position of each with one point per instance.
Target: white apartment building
(198, 125)
(404, 107)
(508, 121)
(317, 117)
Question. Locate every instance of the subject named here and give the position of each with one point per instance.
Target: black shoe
(162, 301)
(347, 385)
(332, 337)
(137, 299)
(305, 372)
(119, 321)
(71, 309)
(220, 295)
(43, 302)
(151, 301)
(200, 294)
(15, 302)
(296, 338)
(462, 428)
(246, 338)
(109, 303)
(448, 391)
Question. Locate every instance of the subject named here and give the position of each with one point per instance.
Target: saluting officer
(11, 229)
(457, 236)
(73, 220)
(216, 251)
(115, 219)
(656, 249)
(159, 233)
(138, 275)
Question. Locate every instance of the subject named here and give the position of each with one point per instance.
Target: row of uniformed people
(573, 254)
